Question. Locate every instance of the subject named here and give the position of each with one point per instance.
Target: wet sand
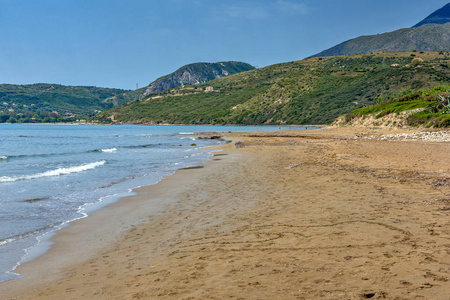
(290, 215)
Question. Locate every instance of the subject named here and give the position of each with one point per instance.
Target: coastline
(132, 210)
(294, 214)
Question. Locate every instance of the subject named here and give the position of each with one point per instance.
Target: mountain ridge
(440, 16)
(196, 73)
(430, 34)
(423, 38)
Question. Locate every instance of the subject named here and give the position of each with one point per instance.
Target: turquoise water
(49, 174)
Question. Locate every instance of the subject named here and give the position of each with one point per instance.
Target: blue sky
(121, 43)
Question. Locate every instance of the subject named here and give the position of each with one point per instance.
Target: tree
(4, 118)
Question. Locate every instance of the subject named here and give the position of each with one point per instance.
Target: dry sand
(292, 215)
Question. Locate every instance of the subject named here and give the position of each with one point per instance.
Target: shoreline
(42, 243)
(30, 269)
(294, 214)
(294, 127)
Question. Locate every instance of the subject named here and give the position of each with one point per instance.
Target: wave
(104, 150)
(117, 182)
(24, 156)
(144, 146)
(26, 234)
(32, 200)
(146, 135)
(56, 172)
(109, 150)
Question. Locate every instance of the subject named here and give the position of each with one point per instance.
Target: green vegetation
(311, 91)
(48, 103)
(430, 107)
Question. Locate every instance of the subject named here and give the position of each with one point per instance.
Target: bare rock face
(195, 74)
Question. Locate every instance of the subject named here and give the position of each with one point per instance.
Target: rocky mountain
(423, 38)
(441, 16)
(196, 73)
(433, 37)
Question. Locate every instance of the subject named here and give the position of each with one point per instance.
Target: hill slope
(428, 107)
(433, 37)
(196, 73)
(311, 91)
(24, 101)
(441, 16)
(423, 38)
(56, 103)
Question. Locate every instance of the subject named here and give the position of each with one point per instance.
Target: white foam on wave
(109, 150)
(3, 157)
(56, 172)
(6, 241)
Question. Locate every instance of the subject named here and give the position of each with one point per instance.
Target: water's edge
(44, 242)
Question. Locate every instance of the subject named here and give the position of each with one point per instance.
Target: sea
(51, 175)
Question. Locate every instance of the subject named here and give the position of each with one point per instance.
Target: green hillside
(426, 107)
(37, 103)
(53, 102)
(311, 91)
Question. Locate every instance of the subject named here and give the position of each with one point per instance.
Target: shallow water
(49, 174)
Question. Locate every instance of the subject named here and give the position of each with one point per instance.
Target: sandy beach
(316, 214)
